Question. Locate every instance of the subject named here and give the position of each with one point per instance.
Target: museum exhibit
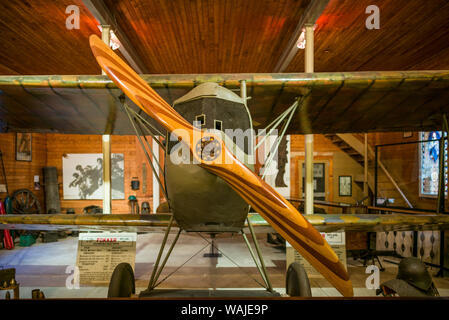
(230, 149)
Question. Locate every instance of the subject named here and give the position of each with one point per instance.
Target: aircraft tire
(297, 282)
(122, 284)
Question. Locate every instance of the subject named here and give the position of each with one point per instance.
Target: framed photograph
(345, 186)
(82, 176)
(23, 147)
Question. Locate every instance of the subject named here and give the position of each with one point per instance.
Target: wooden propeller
(276, 210)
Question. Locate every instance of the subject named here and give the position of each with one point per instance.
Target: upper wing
(331, 102)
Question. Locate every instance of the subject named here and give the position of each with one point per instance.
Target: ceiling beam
(104, 17)
(310, 16)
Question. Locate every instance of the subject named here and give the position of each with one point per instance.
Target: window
(429, 156)
(218, 124)
(201, 119)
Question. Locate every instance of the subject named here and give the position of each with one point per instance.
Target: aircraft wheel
(122, 283)
(297, 281)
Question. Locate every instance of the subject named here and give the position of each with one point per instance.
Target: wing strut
(288, 113)
(139, 132)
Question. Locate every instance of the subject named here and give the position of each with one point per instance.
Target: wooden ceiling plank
(310, 16)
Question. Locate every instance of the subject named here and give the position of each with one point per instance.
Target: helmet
(145, 207)
(414, 272)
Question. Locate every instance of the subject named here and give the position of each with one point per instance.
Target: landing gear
(297, 282)
(122, 283)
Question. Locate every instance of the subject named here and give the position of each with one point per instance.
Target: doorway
(320, 180)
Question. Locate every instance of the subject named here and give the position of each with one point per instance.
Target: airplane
(355, 99)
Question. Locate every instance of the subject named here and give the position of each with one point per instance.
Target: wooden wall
(49, 149)
(402, 161)
(127, 145)
(20, 174)
(337, 162)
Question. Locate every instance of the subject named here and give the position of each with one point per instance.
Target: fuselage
(201, 201)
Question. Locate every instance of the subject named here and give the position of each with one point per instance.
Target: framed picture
(23, 147)
(345, 186)
(82, 176)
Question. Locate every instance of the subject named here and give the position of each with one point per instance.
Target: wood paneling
(20, 174)
(338, 162)
(35, 40)
(134, 158)
(206, 36)
(402, 161)
(48, 150)
(412, 36)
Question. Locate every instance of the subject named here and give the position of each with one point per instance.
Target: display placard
(336, 240)
(99, 253)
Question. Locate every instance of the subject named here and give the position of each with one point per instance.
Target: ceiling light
(301, 44)
(302, 40)
(114, 42)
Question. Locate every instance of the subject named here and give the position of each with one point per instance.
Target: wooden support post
(105, 36)
(106, 145)
(156, 193)
(310, 16)
(251, 141)
(365, 178)
(444, 234)
(107, 196)
(309, 68)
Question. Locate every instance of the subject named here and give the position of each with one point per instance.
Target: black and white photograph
(83, 176)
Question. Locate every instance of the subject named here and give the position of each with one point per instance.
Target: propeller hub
(208, 148)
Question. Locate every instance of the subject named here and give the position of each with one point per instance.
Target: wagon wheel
(25, 202)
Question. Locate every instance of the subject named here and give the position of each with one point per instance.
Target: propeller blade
(218, 159)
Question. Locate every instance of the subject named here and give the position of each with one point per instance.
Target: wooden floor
(44, 266)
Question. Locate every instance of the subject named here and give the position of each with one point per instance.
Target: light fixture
(301, 44)
(114, 42)
(302, 40)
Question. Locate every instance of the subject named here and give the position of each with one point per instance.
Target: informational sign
(99, 253)
(336, 240)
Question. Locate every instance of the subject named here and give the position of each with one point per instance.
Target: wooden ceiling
(413, 35)
(35, 40)
(206, 36)
(234, 36)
